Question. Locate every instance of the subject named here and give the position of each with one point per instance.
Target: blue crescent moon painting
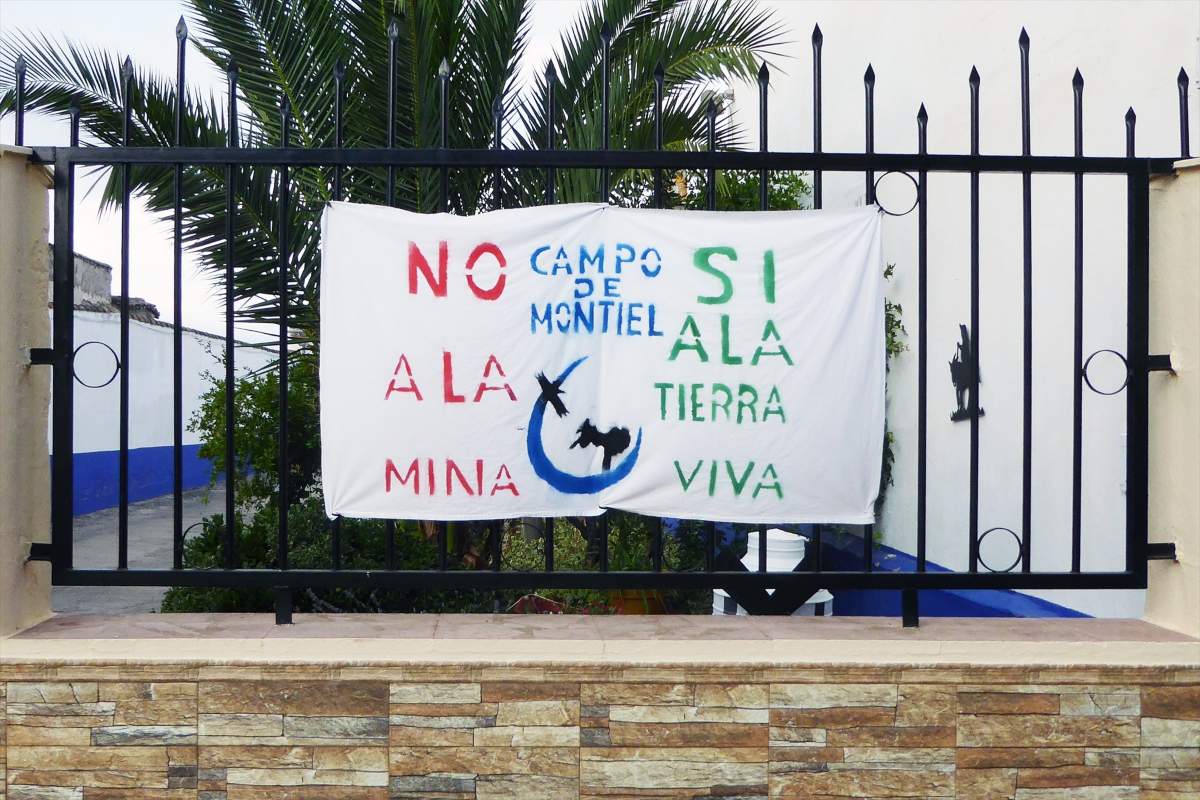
(566, 482)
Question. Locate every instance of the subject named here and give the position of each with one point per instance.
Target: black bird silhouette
(613, 442)
(550, 393)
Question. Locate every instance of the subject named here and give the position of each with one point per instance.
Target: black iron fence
(720, 568)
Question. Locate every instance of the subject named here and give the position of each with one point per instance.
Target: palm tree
(290, 50)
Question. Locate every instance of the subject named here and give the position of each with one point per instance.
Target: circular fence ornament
(916, 193)
(1124, 370)
(1016, 560)
(75, 366)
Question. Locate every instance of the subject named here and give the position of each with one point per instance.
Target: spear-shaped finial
(1077, 79)
(869, 76)
(444, 68)
(497, 106)
(817, 36)
(285, 107)
(20, 65)
(393, 28)
(231, 70)
(181, 30)
(974, 78)
(127, 68)
(922, 114)
(659, 71)
(1130, 116)
(551, 74)
(339, 69)
(1182, 79)
(764, 74)
(1023, 39)
(606, 32)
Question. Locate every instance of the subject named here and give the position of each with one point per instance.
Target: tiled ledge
(479, 640)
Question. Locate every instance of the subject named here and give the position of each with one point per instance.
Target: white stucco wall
(1129, 54)
(97, 420)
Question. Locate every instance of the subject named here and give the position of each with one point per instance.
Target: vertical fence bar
(817, 558)
(497, 531)
(444, 133)
(973, 512)
(762, 548)
(230, 549)
(284, 256)
(181, 33)
(390, 544)
(1185, 138)
(710, 187)
(710, 546)
(869, 124)
(63, 437)
(606, 35)
(659, 75)
(548, 542)
(1077, 372)
(869, 195)
(335, 540)
(656, 545)
(603, 526)
(19, 69)
(817, 40)
(1137, 349)
(442, 556)
(393, 32)
(922, 336)
(339, 77)
(497, 123)
(1027, 330)
(764, 79)
(123, 435)
(551, 88)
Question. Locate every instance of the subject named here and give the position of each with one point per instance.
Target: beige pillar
(24, 390)
(1173, 600)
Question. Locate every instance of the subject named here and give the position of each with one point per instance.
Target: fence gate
(720, 567)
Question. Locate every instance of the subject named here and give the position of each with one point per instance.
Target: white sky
(145, 30)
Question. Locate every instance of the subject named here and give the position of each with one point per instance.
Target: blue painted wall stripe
(151, 474)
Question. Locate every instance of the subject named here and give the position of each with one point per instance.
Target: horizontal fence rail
(716, 567)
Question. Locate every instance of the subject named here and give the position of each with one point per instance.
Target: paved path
(149, 547)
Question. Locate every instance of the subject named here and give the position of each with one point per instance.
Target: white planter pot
(784, 551)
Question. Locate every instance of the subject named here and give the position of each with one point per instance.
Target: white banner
(559, 360)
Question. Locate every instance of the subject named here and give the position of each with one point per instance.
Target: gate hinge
(1160, 551)
(41, 355)
(40, 551)
(1160, 363)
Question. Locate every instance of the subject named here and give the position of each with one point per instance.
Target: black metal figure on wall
(960, 376)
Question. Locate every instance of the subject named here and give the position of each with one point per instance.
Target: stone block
(1022, 730)
(435, 693)
(718, 771)
(1170, 732)
(528, 690)
(864, 783)
(985, 784)
(68, 692)
(1171, 702)
(826, 695)
(1007, 703)
(636, 694)
(307, 698)
(926, 705)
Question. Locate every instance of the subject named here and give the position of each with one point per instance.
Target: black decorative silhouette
(613, 442)
(551, 391)
(960, 376)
